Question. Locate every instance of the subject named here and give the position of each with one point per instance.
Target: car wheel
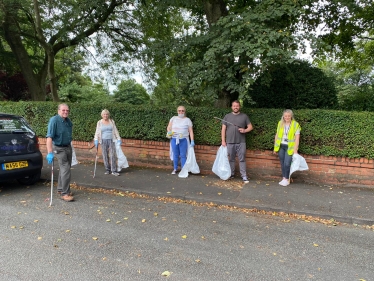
(29, 180)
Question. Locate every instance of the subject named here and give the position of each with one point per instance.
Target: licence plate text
(15, 165)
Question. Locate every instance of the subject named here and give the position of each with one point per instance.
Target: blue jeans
(179, 150)
(285, 160)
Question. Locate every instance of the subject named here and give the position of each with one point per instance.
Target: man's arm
(246, 130)
(49, 145)
(223, 135)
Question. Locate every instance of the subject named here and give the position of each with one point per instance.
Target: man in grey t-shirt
(234, 128)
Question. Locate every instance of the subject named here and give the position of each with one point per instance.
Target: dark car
(20, 157)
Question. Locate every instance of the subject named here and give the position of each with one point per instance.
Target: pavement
(345, 204)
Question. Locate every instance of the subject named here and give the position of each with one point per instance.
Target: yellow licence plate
(15, 165)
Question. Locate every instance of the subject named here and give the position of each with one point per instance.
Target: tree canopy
(199, 52)
(128, 91)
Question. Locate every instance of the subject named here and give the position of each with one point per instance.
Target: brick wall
(260, 164)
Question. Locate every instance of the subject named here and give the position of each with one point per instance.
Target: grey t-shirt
(232, 132)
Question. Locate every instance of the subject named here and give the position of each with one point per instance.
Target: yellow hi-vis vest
(294, 127)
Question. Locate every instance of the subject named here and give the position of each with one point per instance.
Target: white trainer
(284, 182)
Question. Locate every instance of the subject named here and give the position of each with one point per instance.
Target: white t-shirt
(180, 127)
(286, 129)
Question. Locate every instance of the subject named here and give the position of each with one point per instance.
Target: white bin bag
(298, 164)
(74, 160)
(122, 160)
(190, 165)
(221, 166)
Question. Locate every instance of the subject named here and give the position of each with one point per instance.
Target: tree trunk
(48, 51)
(34, 82)
(214, 10)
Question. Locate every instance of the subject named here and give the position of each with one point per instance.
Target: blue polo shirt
(60, 130)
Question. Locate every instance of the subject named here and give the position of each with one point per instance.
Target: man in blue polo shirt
(59, 137)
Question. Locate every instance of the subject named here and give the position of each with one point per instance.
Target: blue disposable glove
(96, 142)
(192, 143)
(50, 158)
(119, 142)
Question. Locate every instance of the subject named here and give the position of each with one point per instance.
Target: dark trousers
(108, 148)
(64, 157)
(285, 160)
(237, 149)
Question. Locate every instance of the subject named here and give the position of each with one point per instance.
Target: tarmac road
(106, 236)
(347, 204)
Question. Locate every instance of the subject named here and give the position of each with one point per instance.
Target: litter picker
(50, 203)
(95, 163)
(227, 122)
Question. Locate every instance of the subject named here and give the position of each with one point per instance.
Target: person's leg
(113, 156)
(281, 154)
(232, 154)
(183, 151)
(175, 149)
(105, 149)
(64, 157)
(287, 165)
(241, 151)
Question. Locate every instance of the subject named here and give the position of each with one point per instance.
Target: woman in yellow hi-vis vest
(286, 143)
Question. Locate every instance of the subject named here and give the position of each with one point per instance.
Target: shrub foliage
(296, 85)
(324, 132)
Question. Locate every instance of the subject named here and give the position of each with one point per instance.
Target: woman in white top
(107, 135)
(180, 130)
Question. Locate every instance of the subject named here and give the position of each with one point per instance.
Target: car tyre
(30, 180)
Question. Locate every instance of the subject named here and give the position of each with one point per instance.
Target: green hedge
(324, 132)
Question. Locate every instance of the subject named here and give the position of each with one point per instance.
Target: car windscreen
(14, 125)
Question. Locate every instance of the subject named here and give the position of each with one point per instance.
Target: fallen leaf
(13, 226)
(166, 239)
(219, 193)
(155, 214)
(197, 260)
(35, 220)
(143, 220)
(184, 236)
(315, 245)
(166, 273)
(21, 227)
(67, 230)
(125, 218)
(104, 258)
(108, 220)
(40, 238)
(95, 238)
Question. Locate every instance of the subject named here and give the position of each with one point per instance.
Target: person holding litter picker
(286, 143)
(107, 135)
(234, 127)
(179, 130)
(59, 137)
